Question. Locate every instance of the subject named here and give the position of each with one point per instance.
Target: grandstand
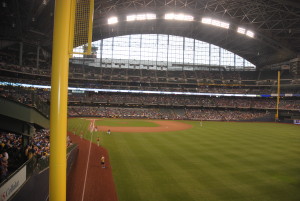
(178, 60)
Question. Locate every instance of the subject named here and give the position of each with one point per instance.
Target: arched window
(157, 51)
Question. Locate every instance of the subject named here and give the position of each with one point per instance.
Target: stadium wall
(23, 113)
(36, 187)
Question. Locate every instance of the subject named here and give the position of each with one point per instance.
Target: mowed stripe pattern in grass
(218, 161)
(125, 123)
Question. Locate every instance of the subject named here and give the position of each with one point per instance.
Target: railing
(35, 165)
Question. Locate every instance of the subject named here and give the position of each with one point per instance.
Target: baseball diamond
(150, 100)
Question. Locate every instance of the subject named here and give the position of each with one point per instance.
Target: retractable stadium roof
(275, 23)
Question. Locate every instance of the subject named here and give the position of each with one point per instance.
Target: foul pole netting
(82, 26)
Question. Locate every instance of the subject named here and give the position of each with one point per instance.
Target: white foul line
(88, 160)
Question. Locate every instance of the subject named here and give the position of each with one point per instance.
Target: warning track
(99, 182)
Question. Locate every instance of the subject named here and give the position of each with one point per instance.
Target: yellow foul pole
(59, 95)
(278, 96)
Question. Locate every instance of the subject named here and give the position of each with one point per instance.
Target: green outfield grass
(125, 123)
(220, 161)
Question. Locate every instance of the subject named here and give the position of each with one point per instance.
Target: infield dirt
(163, 126)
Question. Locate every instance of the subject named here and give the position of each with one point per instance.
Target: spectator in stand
(11, 149)
(3, 167)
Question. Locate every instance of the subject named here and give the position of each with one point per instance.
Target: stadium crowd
(158, 113)
(13, 152)
(243, 82)
(34, 97)
(181, 100)
(10, 147)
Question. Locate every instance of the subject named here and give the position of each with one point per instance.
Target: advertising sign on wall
(12, 185)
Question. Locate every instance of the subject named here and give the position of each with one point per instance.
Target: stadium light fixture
(141, 17)
(147, 16)
(151, 16)
(180, 17)
(206, 20)
(169, 16)
(215, 22)
(225, 25)
(241, 30)
(130, 18)
(250, 34)
(245, 32)
(112, 20)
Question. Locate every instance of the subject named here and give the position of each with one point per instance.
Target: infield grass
(220, 161)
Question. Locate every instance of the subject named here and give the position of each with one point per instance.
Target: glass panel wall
(162, 52)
